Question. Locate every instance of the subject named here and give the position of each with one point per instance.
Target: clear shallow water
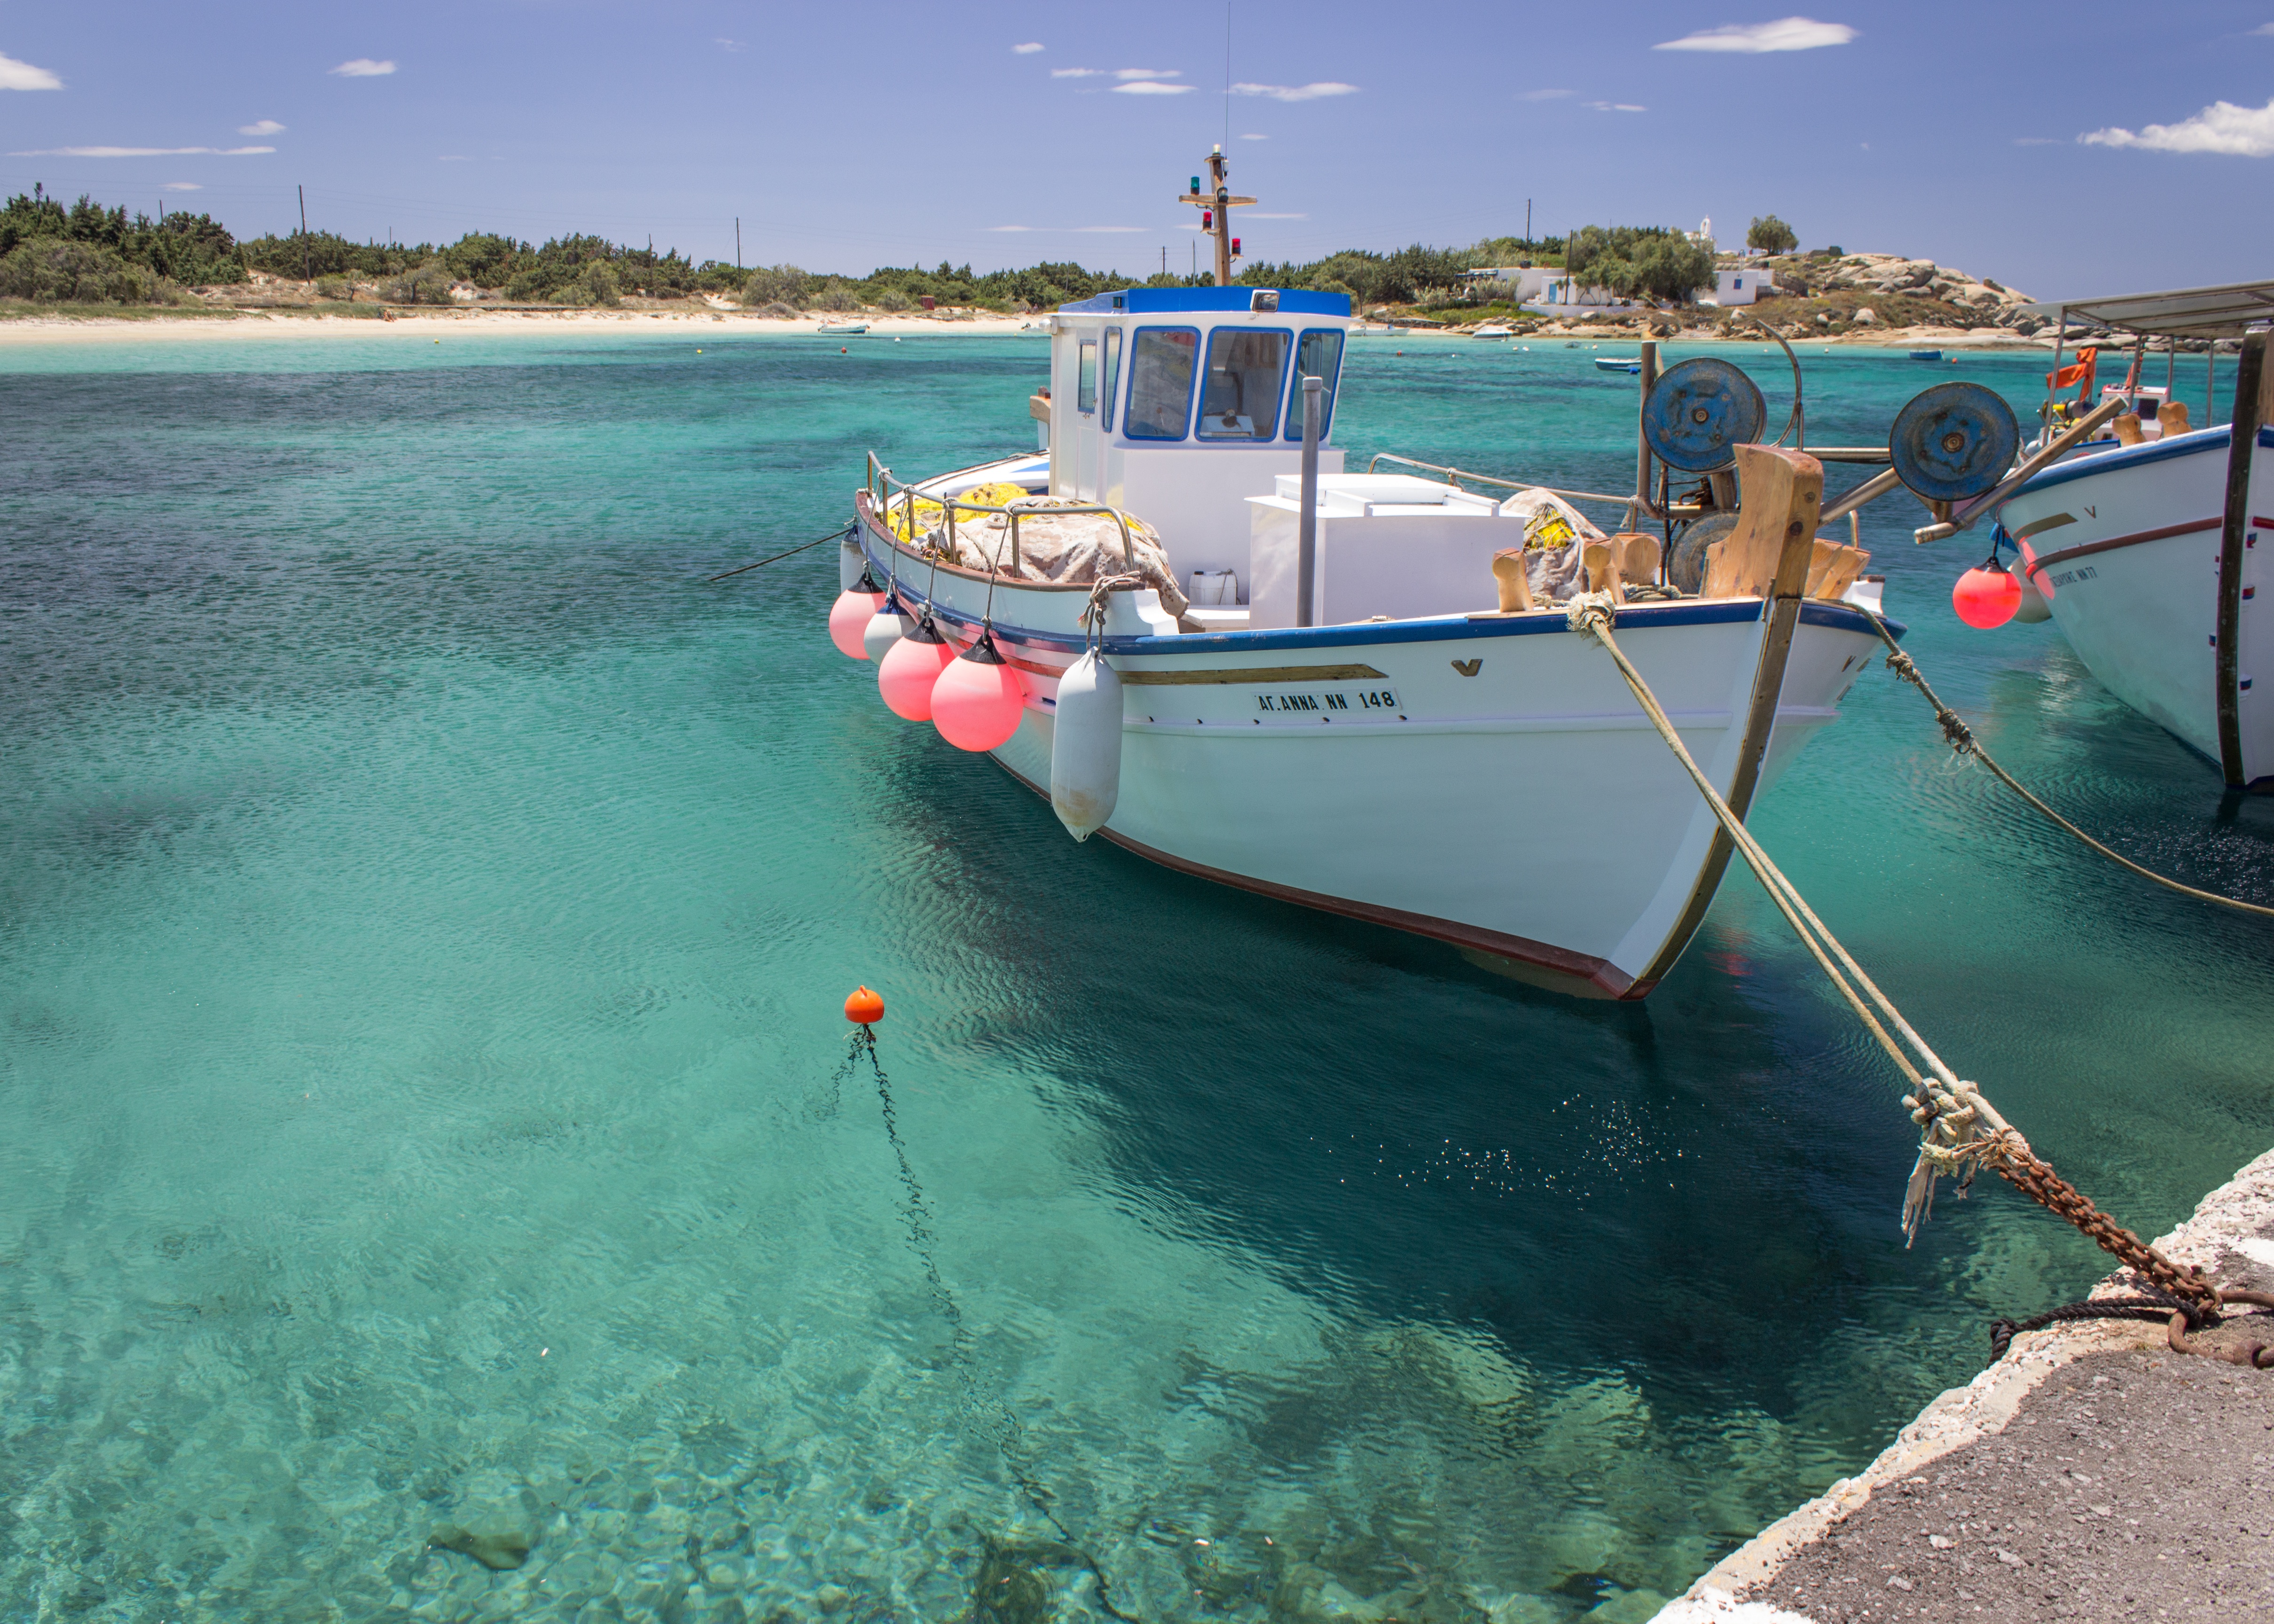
(424, 912)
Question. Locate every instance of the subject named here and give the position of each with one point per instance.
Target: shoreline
(59, 329)
(1856, 1522)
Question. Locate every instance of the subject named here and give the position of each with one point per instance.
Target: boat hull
(2124, 546)
(1485, 779)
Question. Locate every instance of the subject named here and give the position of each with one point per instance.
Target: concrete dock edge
(2226, 1236)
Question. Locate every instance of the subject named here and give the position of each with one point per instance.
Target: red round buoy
(978, 700)
(905, 674)
(864, 1008)
(1987, 595)
(850, 617)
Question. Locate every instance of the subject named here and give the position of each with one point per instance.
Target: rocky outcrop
(1988, 303)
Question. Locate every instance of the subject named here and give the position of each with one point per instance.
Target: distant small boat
(1610, 364)
(840, 328)
(1493, 329)
(1926, 354)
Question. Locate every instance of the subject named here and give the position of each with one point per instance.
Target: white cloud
(363, 67)
(1077, 73)
(1543, 95)
(1148, 73)
(1255, 138)
(1107, 230)
(143, 152)
(1790, 34)
(1150, 87)
(1010, 228)
(1296, 92)
(2222, 127)
(181, 185)
(1615, 106)
(1028, 49)
(725, 44)
(2263, 28)
(16, 75)
(261, 126)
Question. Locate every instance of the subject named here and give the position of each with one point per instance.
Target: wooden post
(1636, 513)
(2254, 403)
(1512, 580)
(1783, 493)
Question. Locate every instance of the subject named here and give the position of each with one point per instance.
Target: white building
(1741, 286)
(1545, 285)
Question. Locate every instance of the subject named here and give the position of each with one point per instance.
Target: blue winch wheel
(1699, 412)
(1953, 442)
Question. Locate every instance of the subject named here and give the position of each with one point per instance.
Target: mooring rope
(1007, 1435)
(835, 535)
(1960, 1132)
(1962, 739)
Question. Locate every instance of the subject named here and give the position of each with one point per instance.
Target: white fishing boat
(842, 329)
(1198, 635)
(2144, 547)
(1618, 363)
(1494, 329)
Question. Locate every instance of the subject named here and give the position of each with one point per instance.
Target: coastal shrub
(1771, 235)
(429, 285)
(334, 288)
(781, 310)
(1655, 262)
(889, 298)
(771, 284)
(485, 258)
(61, 271)
(833, 295)
(595, 284)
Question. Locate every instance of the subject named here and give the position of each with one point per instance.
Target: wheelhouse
(1177, 403)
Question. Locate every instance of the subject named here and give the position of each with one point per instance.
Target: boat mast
(1217, 204)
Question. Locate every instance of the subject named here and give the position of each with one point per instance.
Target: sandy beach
(281, 324)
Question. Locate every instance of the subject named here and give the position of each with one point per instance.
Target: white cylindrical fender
(885, 627)
(1085, 746)
(2033, 606)
(851, 564)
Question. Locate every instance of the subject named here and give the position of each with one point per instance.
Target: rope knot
(1591, 612)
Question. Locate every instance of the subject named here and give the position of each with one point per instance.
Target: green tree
(1653, 262)
(1771, 235)
(770, 285)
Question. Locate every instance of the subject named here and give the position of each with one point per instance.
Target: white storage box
(1390, 546)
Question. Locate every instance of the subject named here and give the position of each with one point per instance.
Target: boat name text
(1363, 699)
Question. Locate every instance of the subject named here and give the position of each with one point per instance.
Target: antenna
(1227, 72)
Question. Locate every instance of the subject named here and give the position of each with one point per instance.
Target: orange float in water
(905, 674)
(1987, 595)
(864, 1008)
(850, 617)
(978, 699)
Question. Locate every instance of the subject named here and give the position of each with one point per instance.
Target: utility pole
(738, 242)
(1527, 223)
(307, 274)
(1215, 205)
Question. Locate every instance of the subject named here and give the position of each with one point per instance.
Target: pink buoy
(1987, 595)
(978, 699)
(905, 674)
(850, 617)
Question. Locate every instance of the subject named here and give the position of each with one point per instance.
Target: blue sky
(2067, 150)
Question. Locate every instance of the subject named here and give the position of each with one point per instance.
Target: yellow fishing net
(928, 515)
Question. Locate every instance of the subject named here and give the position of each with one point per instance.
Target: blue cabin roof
(1160, 301)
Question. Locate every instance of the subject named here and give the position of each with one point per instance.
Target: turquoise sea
(425, 907)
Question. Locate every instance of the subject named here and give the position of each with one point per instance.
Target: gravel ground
(2130, 1486)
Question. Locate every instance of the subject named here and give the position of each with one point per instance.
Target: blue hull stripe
(2137, 456)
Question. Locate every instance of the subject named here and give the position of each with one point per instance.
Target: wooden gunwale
(2083, 549)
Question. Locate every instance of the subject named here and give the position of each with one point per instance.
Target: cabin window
(1112, 373)
(1161, 367)
(1085, 386)
(1319, 354)
(1247, 374)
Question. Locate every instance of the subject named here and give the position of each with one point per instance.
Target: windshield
(1161, 382)
(1320, 356)
(1247, 371)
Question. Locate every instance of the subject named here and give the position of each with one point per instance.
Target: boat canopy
(1160, 301)
(2223, 312)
